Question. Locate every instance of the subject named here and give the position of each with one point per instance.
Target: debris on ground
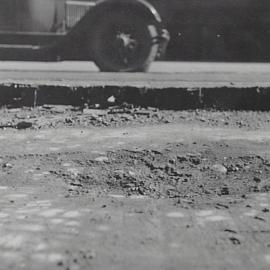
(194, 172)
(54, 116)
(73, 202)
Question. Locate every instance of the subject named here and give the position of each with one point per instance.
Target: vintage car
(118, 35)
(127, 35)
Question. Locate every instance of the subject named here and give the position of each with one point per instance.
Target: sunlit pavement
(156, 67)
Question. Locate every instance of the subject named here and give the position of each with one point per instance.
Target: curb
(178, 98)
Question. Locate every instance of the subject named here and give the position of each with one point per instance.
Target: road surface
(130, 187)
(134, 189)
(162, 74)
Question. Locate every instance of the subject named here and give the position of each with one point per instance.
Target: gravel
(54, 116)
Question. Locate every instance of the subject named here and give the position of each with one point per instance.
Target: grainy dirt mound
(181, 171)
(177, 171)
(193, 171)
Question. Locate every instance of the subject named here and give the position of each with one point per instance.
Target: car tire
(124, 42)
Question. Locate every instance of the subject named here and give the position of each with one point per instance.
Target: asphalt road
(162, 74)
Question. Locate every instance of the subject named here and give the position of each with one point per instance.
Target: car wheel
(124, 42)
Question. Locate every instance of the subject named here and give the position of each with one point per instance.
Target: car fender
(77, 37)
(143, 6)
(102, 7)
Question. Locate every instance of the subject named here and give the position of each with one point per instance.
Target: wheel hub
(126, 42)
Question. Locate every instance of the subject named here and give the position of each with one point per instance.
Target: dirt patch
(193, 174)
(174, 172)
(143, 200)
(51, 116)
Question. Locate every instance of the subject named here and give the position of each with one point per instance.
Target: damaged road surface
(153, 189)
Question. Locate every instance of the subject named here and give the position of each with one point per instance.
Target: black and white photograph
(134, 134)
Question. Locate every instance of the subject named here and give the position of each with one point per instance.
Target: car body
(51, 30)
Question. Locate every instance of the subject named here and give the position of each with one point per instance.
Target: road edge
(177, 98)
